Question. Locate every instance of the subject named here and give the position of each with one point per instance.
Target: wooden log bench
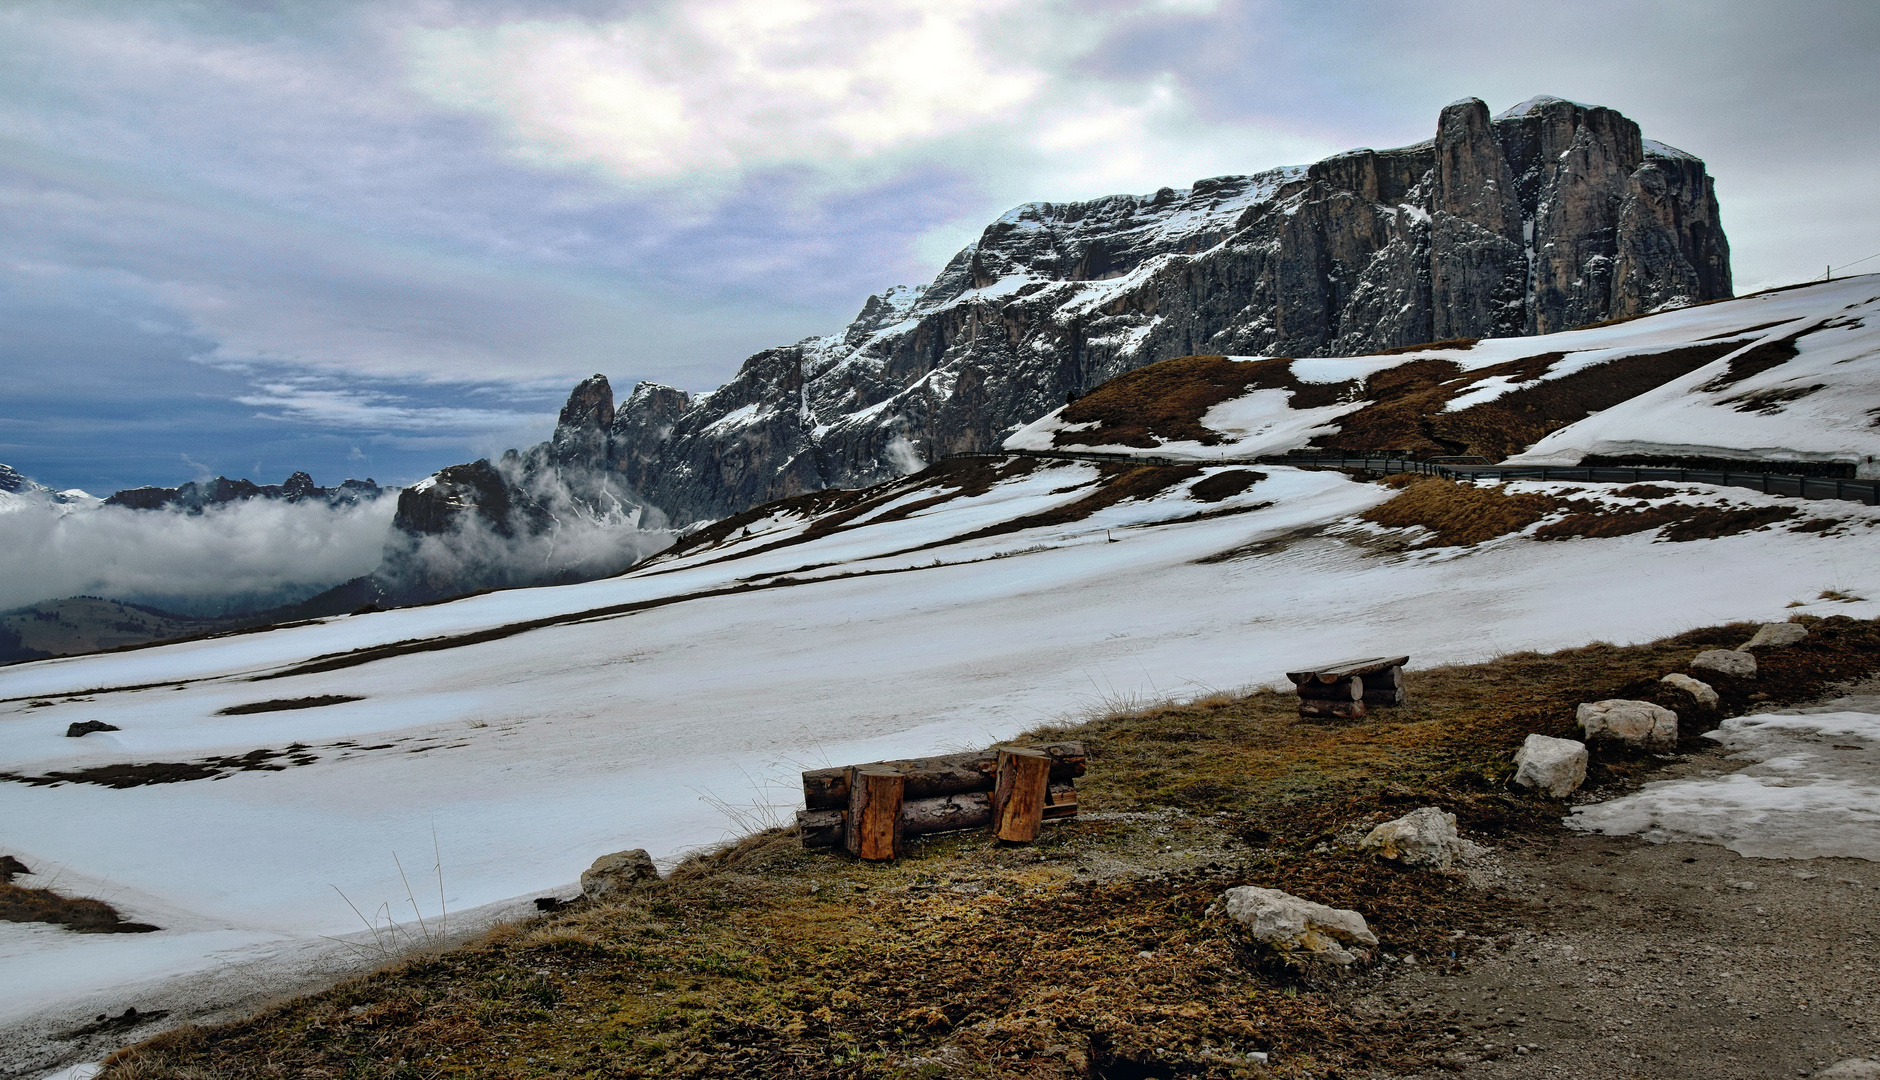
(871, 809)
(1343, 690)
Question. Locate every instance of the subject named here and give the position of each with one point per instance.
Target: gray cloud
(238, 556)
(327, 209)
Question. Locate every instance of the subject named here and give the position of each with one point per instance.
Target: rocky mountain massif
(193, 497)
(1548, 216)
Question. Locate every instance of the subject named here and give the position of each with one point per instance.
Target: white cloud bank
(232, 557)
(697, 94)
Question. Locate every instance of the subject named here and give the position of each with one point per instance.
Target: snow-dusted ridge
(1554, 214)
(1796, 379)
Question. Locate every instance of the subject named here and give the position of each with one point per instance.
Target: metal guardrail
(1801, 487)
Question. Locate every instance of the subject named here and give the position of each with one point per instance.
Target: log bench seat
(1343, 689)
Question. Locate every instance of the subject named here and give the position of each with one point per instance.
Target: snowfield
(527, 732)
(1812, 791)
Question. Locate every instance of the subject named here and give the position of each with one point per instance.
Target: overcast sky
(380, 238)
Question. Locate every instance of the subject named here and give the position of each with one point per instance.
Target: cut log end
(1018, 797)
(874, 825)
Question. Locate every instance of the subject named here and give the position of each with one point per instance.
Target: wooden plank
(948, 774)
(1018, 795)
(1344, 669)
(874, 825)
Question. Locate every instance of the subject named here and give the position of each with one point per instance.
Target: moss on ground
(1086, 955)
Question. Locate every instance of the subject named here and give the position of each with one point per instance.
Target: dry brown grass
(1410, 400)
(23, 905)
(1406, 410)
(1460, 513)
(1428, 346)
(762, 960)
(1165, 401)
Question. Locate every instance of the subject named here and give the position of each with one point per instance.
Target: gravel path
(1658, 960)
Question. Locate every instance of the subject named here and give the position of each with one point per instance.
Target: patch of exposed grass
(1458, 344)
(1164, 402)
(1461, 514)
(23, 905)
(1406, 408)
(1410, 414)
(1458, 513)
(284, 704)
(1767, 355)
(1225, 485)
(1088, 954)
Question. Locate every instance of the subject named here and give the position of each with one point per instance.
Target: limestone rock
(1739, 665)
(1298, 933)
(581, 431)
(614, 876)
(1775, 635)
(1423, 837)
(1555, 767)
(1637, 724)
(1852, 1069)
(1702, 691)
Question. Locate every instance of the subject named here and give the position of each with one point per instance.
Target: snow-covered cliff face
(1549, 216)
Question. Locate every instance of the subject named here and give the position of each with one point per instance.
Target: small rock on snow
(80, 730)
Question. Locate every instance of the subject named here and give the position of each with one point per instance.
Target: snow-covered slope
(1790, 376)
(534, 730)
(18, 492)
(1805, 390)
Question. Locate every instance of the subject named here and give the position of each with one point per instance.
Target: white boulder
(1731, 662)
(1423, 837)
(1638, 724)
(1852, 1069)
(1702, 691)
(1296, 932)
(1775, 635)
(614, 876)
(1555, 767)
